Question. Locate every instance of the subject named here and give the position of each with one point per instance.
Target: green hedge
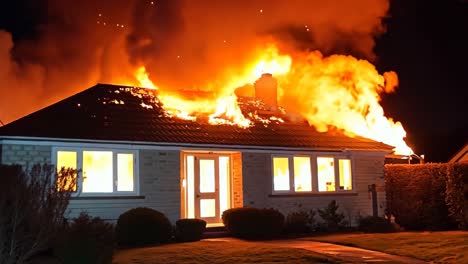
(427, 196)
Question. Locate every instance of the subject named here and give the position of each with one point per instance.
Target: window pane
(97, 171)
(281, 174)
(190, 187)
(207, 176)
(124, 172)
(67, 160)
(326, 174)
(345, 174)
(207, 207)
(224, 195)
(302, 174)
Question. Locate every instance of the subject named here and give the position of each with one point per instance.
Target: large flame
(336, 91)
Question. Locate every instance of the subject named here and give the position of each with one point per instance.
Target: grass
(218, 252)
(438, 247)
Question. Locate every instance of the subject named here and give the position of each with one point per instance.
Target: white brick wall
(159, 173)
(258, 188)
(25, 155)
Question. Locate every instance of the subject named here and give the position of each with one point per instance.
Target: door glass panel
(207, 176)
(207, 207)
(125, 172)
(190, 187)
(223, 184)
(326, 174)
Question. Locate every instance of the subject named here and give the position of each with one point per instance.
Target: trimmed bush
(253, 223)
(86, 240)
(375, 224)
(300, 222)
(188, 230)
(143, 226)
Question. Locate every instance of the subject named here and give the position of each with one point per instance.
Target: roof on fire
(121, 113)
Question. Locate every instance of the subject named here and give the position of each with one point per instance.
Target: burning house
(132, 151)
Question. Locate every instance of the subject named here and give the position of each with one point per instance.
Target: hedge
(427, 196)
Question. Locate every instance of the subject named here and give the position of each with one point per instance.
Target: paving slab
(344, 253)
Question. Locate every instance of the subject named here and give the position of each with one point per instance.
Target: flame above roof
(122, 113)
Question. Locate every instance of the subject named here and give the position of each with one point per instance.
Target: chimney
(266, 90)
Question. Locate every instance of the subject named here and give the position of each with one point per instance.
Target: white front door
(207, 188)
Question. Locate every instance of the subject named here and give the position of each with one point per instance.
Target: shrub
(417, 195)
(32, 205)
(253, 223)
(375, 224)
(300, 221)
(143, 226)
(188, 230)
(456, 193)
(332, 219)
(86, 240)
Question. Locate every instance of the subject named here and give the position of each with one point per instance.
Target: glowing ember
(337, 91)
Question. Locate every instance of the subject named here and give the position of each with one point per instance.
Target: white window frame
(314, 173)
(115, 152)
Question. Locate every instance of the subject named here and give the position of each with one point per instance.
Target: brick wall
(258, 188)
(237, 196)
(159, 173)
(25, 155)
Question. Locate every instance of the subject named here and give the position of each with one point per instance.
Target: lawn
(218, 252)
(438, 247)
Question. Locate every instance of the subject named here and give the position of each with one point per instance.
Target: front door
(207, 188)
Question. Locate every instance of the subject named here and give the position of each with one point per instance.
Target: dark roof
(121, 113)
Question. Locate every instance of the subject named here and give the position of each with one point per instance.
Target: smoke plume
(183, 44)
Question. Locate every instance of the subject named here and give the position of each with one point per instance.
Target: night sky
(425, 43)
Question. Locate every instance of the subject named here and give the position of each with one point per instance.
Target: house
(461, 155)
(132, 153)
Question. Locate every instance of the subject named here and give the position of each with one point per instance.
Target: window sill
(122, 197)
(313, 194)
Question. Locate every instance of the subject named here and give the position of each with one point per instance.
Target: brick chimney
(266, 90)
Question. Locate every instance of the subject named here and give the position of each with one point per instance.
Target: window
(345, 175)
(302, 174)
(102, 172)
(326, 174)
(281, 174)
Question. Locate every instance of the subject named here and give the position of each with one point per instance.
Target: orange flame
(337, 91)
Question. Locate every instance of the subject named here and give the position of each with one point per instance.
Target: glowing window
(101, 171)
(345, 174)
(281, 174)
(302, 174)
(326, 174)
(125, 172)
(66, 160)
(97, 171)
